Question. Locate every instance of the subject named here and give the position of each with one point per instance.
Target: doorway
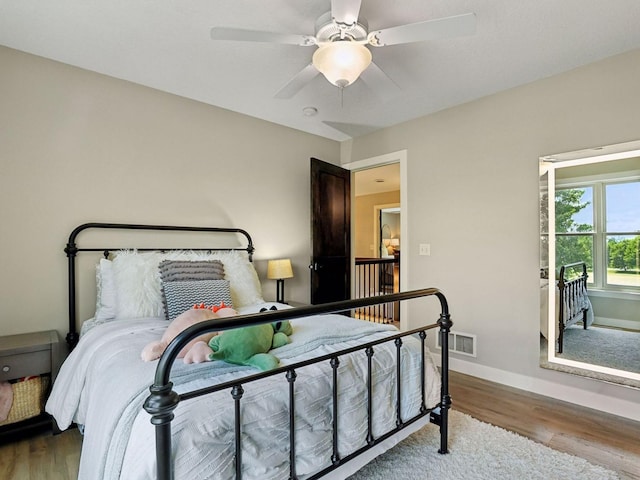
(378, 226)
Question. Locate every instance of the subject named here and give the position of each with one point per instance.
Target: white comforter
(103, 384)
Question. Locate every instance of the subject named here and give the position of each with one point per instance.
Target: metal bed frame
(163, 400)
(571, 294)
(72, 251)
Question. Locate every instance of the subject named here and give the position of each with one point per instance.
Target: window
(622, 231)
(598, 222)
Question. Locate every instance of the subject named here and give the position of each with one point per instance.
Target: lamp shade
(277, 269)
(342, 61)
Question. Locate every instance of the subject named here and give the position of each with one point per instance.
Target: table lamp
(279, 270)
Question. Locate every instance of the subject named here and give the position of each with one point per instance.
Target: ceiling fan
(341, 37)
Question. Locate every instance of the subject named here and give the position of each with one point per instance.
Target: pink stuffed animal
(197, 314)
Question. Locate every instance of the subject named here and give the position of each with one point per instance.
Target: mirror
(590, 263)
(389, 232)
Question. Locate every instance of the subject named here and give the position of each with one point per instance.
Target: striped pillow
(183, 270)
(180, 296)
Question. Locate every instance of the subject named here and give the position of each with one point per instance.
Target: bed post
(160, 404)
(445, 324)
(583, 291)
(561, 319)
(71, 250)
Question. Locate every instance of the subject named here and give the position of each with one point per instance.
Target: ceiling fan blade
(379, 81)
(241, 35)
(300, 80)
(345, 11)
(455, 26)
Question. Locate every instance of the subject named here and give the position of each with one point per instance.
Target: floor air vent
(463, 343)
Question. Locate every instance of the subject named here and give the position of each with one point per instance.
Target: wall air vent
(463, 343)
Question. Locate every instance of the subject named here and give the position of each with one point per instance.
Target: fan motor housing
(328, 30)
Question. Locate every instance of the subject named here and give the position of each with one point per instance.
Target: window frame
(599, 234)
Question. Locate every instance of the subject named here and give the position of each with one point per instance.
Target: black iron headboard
(72, 250)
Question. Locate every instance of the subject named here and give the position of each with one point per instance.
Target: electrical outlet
(425, 249)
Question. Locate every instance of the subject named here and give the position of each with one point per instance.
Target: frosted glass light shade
(342, 62)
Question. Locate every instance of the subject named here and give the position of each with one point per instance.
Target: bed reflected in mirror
(590, 263)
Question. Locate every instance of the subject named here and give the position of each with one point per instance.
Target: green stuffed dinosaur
(251, 345)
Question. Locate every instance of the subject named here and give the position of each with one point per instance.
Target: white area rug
(477, 451)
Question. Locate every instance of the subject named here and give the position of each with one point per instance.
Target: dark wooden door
(331, 232)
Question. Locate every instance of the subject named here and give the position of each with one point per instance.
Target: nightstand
(297, 304)
(26, 355)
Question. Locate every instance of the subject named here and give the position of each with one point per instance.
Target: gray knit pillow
(180, 270)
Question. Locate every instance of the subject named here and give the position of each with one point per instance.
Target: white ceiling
(166, 45)
(377, 180)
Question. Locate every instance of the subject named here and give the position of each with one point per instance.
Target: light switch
(425, 249)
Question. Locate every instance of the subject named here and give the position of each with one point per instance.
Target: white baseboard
(617, 323)
(558, 391)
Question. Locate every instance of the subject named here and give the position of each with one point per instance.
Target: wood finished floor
(602, 439)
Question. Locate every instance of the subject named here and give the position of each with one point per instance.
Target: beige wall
(365, 220)
(473, 195)
(76, 146)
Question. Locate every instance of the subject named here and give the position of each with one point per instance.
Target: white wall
(473, 195)
(76, 146)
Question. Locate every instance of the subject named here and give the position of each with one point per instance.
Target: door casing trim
(400, 157)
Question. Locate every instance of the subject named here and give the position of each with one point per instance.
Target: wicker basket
(28, 399)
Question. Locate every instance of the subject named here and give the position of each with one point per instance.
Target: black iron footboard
(571, 298)
(163, 399)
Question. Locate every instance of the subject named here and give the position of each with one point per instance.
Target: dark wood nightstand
(26, 355)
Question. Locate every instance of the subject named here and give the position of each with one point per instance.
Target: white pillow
(242, 276)
(138, 283)
(106, 303)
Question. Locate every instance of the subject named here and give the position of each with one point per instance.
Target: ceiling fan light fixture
(342, 61)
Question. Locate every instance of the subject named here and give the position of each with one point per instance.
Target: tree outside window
(574, 227)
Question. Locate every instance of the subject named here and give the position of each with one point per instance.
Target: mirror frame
(549, 164)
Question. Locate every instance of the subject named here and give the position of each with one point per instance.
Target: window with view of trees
(599, 224)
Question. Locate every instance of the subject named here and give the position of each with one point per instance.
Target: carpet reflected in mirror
(577, 349)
